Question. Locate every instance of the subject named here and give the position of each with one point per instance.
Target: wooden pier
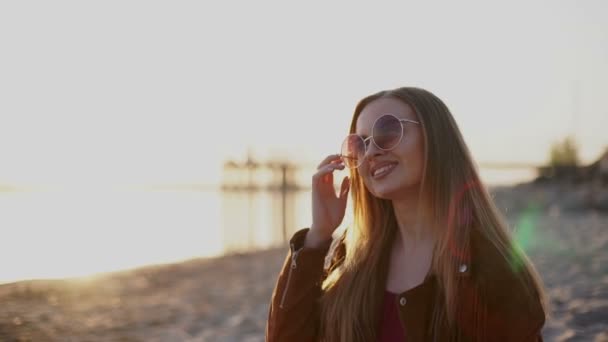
(250, 177)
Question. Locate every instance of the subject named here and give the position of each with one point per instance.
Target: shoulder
(504, 286)
(336, 254)
(504, 275)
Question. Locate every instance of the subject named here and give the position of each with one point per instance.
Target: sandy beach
(226, 299)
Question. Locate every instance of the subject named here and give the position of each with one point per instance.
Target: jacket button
(402, 301)
(463, 268)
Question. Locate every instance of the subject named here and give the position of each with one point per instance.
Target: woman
(428, 258)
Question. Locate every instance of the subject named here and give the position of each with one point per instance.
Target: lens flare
(524, 234)
(459, 216)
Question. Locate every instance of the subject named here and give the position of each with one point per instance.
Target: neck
(413, 229)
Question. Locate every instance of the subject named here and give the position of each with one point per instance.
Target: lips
(382, 168)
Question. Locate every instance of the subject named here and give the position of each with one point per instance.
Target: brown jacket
(507, 315)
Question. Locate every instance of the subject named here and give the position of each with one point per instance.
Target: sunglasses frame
(371, 137)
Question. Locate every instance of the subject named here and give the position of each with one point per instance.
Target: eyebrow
(362, 135)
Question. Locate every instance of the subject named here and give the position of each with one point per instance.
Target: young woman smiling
(428, 257)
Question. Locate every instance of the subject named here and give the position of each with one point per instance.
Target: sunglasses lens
(387, 132)
(353, 150)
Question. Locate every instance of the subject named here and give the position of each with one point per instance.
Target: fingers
(324, 173)
(332, 158)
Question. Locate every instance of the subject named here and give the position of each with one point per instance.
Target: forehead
(379, 107)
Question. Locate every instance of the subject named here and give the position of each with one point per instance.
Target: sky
(146, 92)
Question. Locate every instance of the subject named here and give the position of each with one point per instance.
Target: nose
(372, 151)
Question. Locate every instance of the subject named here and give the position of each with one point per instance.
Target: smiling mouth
(383, 171)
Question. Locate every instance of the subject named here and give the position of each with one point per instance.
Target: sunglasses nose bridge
(371, 149)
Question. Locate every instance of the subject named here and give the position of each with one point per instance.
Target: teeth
(382, 169)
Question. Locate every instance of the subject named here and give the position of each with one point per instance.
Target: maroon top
(390, 326)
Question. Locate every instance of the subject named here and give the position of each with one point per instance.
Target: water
(57, 234)
(62, 234)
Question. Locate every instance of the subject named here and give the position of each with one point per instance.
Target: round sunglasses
(387, 133)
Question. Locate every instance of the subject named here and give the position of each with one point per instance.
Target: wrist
(315, 239)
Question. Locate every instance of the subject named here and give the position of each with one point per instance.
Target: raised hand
(328, 208)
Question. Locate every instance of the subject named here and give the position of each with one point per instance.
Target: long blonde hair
(455, 205)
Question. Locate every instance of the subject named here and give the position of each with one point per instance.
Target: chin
(393, 192)
(386, 192)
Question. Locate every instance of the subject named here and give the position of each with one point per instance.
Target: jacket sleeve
(536, 334)
(294, 308)
(512, 309)
(515, 313)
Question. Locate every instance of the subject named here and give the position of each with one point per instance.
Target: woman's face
(396, 173)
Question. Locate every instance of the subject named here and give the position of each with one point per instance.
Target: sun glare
(72, 233)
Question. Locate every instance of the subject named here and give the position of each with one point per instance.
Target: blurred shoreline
(168, 222)
(226, 298)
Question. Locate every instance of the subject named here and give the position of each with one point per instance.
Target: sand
(226, 298)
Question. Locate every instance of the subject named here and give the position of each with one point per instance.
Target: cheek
(364, 174)
(413, 157)
(416, 150)
(418, 161)
(411, 151)
(364, 169)
(418, 154)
